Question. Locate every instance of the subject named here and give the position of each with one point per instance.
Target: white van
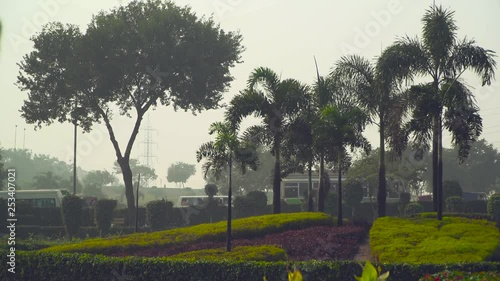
(37, 198)
(198, 200)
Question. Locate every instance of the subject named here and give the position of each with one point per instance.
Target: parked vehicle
(36, 198)
(186, 201)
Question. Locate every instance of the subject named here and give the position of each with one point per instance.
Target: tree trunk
(310, 187)
(229, 215)
(440, 170)
(382, 184)
(435, 163)
(129, 189)
(339, 188)
(321, 187)
(277, 178)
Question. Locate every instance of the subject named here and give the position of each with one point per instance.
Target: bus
(36, 198)
(198, 200)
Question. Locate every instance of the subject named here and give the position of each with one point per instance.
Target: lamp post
(74, 146)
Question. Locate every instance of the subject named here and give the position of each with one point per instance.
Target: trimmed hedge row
(421, 240)
(53, 232)
(242, 228)
(242, 253)
(53, 267)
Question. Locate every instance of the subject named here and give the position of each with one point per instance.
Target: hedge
(423, 240)
(51, 232)
(242, 253)
(53, 267)
(242, 228)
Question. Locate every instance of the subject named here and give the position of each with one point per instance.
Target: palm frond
(401, 61)
(265, 77)
(244, 104)
(466, 54)
(439, 32)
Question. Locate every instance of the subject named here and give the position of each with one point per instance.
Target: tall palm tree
(299, 143)
(385, 105)
(220, 153)
(275, 101)
(444, 58)
(342, 125)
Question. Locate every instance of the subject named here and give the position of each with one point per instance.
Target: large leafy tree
(275, 101)
(47, 180)
(478, 173)
(180, 172)
(385, 104)
(98, 178)
(446, 100)
(226, 149)
(129, 60)
(341, 125)
(147, 173)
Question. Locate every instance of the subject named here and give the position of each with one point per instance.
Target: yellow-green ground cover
(242, 228)
(426, 240)
(243, 253)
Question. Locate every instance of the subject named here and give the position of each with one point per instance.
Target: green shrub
(454, 204)
(257, 199)
(104, 214)
(242, 228)
(47, 266)
(72, 214)
(425, 240)
(331, 204)
(353, 193)
(451, 188)
(404, 198)
(156, 214)
(242, 253)
(494, 206)
(413, 208)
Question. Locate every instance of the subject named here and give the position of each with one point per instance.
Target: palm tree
(341, 125)
(444, 58)
(275, 101)
(226, 148)
(385, 105)
(299, 143)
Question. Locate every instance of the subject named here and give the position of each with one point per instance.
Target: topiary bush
(104, 214)
(404, 198)
(451, 188)
(72, 206)
(413, 208)
(454, 204)
(353, 194)
(493, 207)
(331, 203)
(156, 214)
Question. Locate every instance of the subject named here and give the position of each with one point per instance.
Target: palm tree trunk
(321, 187)
(339, 188)
(229, 194)
(435, 163)
(309, 187)
(382, 187)
(277, 179)
(440, 169)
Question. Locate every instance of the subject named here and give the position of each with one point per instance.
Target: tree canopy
(180, 172)
(128, 60)
(147, 174)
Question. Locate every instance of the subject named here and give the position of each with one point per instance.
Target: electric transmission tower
(148, 143)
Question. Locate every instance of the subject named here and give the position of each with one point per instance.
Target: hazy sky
(280, 34)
